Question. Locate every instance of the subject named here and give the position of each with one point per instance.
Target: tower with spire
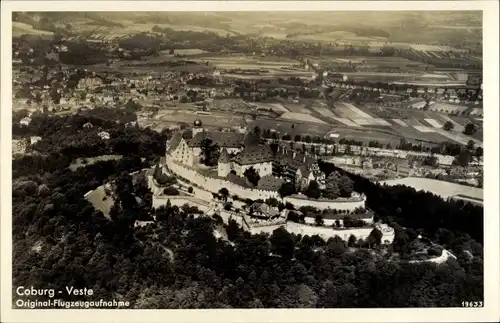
(223, 166)
(197, 127)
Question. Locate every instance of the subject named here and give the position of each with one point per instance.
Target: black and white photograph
(249, 159)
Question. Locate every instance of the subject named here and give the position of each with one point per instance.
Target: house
(104, 135)
(25, 121)
(263, 211)
(35, 139)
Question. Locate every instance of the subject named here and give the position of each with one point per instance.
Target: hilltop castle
(241, 151)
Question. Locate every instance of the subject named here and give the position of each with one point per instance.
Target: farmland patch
(300, 117)
(424, 129)
(346, 110)
(434, 123)
(325, 112)
(371, 122)
(347, 122)
(297, 108)
(458, 127)
(400, 122)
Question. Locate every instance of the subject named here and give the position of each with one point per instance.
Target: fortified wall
(214, 185)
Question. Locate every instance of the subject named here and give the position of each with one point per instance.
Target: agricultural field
(346, 110)
(400, 122)
(290, 127)
(434, 123)
(347, 122)
(371, 122)
(186, 52)
(214, 119)
(274, 106)
(424, 129)
(325, 112)
(441, 188)
(19, 29)
(304, 117)
(297, 108)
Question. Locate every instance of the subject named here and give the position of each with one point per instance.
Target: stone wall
(338, 204)
(214, 184)
(330, 222)
(180, 201)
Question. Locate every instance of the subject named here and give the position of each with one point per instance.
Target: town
(181, 151)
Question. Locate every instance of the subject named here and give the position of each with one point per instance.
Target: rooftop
(221, 139)
(254, 155)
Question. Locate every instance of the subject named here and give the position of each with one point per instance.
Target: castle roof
(264, 209)
(174, 143)
(286, 157)
(254, 155)
(221, 139)
(270, 183)
(224, 156)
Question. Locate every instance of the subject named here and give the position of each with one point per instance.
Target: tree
(448, 126)
(209, 152)
(463, 159)
(313, 190)
(257, 131)
(252, 176)
(274, 147)
(430, 161)
(352, 241)
(479, 152)
(470, 129)
(346, 186)
(224, 193)
(332, 189)
(375, 237)
(286, 189)
(282, 243)
(318, 219)
(297, 138)
(470, 145)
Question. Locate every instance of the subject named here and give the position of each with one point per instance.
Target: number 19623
(472, 304)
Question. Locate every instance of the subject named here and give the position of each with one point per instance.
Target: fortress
(238, 152)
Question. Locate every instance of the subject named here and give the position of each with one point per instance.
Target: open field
(371, 122)
(19, 29)
(297, 108)
(434, 123)
(325, 112)
(82, 162)
(274, 106)
(457, 126)
(100, 201)
(305, 117)
(424, 129)
(400, 122)
(347, 122)
(346, 110)
(186, 52)
(290, 127)
(215, 119)
(441, 188)
(413, 134)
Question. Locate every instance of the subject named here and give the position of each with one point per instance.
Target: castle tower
(223, 165)
(198, 127)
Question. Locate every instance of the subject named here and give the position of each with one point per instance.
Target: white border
(491, 134)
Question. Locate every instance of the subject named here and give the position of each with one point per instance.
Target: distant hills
(452, 28)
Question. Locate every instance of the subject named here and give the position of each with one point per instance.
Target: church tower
(224, 163)
(198, 127)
